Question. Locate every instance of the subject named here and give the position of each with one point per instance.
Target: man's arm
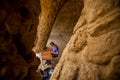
(54, 52)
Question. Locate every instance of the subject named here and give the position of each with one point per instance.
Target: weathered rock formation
(67, 18)
(62, 15)
(18, 27)
(48, 15)
(93, 50)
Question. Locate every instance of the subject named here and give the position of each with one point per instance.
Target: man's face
(52, 45)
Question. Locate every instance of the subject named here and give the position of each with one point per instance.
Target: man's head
(52, 43)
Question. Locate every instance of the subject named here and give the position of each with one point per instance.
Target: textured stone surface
(64, 24)
(67, 18)
(18, 26)
(48, 15)
(62, 15)
(92, 52)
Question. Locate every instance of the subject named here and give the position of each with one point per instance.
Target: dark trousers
(54, 55)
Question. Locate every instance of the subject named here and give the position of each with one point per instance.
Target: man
(54, 50)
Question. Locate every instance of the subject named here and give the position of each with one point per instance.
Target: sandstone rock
(18, 26)
(49, 12)
(92, 52)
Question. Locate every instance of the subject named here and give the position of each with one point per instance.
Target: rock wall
(64, 24)
(92, 52)
(50, 9)
(59, 15)
(18, 27)
(67, 18)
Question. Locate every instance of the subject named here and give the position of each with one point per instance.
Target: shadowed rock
(18, 26)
